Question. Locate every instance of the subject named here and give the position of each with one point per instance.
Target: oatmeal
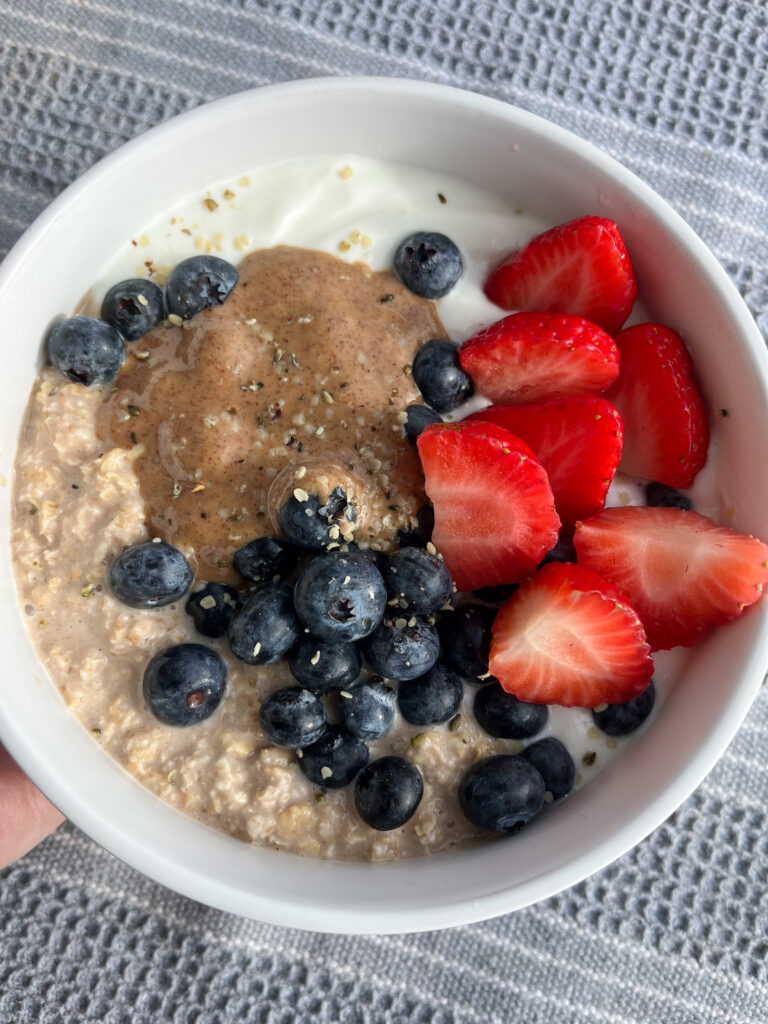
(295, 387)
(96, 471)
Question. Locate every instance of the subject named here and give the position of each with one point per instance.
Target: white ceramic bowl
(537, 166)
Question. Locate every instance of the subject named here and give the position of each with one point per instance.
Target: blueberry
(419, 417)
(334, 759)
(401, 651)
(308, 523)
(292, 717)
(502, 714)
(439, 376)
(323, 667)
(263, 559)
(419, 579)
(133, 307)
(666, 497)
(149, 575)
(183, 685)
(555, 765)
(266, 627)
(387, 792)
(368, 709)
(563, 551)
(87, 350)
(497, 594)
(501, 793)
(421, 534)
(428, 264)
(198, 283)
(340, 596)
(211, 607)
(622, 719)
(466, 638)
(432, 698)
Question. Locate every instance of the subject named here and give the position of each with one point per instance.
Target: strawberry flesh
(581, 267)
(578, 442)
(495, 515)
(666, 434)
(535, 357)
(682, 572)
(568, 637)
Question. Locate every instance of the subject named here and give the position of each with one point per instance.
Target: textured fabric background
(677, 931)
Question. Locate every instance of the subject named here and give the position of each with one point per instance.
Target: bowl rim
(265, 906)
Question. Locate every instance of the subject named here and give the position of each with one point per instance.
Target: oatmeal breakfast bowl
(382, 543)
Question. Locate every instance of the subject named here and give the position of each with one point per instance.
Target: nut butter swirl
(306, 366)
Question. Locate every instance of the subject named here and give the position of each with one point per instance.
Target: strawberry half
(666, 435)
(581, 267)
(495, 515)
(534, 357)
(577, 441)
(568, 637)
(682, 572)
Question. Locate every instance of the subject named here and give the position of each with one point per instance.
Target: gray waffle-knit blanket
(676, 932)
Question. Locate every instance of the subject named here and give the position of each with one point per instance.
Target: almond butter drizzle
(302, 366)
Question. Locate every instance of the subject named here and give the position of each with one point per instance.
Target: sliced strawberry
(568, 637)
(666, 435)
(577, 441)
(495, 515)
(581, 267)
(534, 357)
(682, 572)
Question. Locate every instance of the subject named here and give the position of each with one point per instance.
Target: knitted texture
(675, 932)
